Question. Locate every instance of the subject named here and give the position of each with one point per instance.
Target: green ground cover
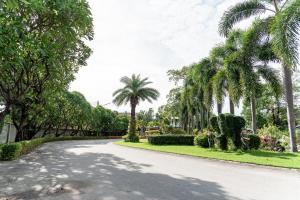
(259, 157)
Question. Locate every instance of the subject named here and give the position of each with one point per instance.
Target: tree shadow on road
(57, 172)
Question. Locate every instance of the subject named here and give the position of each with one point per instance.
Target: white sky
(146, 37)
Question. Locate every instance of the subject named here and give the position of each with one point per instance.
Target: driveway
(101, 170)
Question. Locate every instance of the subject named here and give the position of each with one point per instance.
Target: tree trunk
(253, 114)
(288, 88)
(219, 108)
(132, 127)
(231, 107)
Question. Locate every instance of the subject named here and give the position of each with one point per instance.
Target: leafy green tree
(283, 26)
(146, 116)
(134, 91)
(103, 119)
(43, 45)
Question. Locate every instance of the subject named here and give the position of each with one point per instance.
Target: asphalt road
(87, 170)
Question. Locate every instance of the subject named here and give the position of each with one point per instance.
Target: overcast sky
(146, 37)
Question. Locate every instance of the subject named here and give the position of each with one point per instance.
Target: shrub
(10, 151)
(228, 126)
(205, 139)
(272, 138)
(29, 145)
(171, 139)
(271, 131)
(131, 138)
(251, 141)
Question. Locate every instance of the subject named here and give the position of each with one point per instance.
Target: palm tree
(282, 23)
(226, 80)
(133, 92)
(250, 63)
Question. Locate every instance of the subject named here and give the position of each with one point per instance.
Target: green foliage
(10, 151)
(30, 145)
(254, 141)
(43, 44)
(251, 141)
(273, 139)
(131, 138)
(228, 126)
(204, 140)
(285, 30)
(171, 139)
(272, 131)
(270, 110)
(146, 116)
(239, 12)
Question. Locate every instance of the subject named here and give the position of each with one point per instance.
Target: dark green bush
(171, 139)
(204, 140)
(228, 126)
(10, 151)
(254, 142)
(251, 141)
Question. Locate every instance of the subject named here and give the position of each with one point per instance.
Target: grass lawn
(286, 160)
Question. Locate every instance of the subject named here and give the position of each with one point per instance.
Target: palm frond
(219, 81)
(285, 31)
(271, 76)
(238, 13)
(134, 90)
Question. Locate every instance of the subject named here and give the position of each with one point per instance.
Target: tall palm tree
(226, 80)
(196, 96)
(134, 91)
(250, 63)
(281, 20)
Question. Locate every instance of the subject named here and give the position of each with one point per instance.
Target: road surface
(101, 170)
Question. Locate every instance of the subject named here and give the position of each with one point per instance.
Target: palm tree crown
(134, 91)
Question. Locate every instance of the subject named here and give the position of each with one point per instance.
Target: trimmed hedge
(171, 139)
(10, 151)
(13, 151)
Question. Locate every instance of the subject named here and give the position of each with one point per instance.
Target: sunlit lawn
(287, 160)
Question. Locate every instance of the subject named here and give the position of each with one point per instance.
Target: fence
(8, 133)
